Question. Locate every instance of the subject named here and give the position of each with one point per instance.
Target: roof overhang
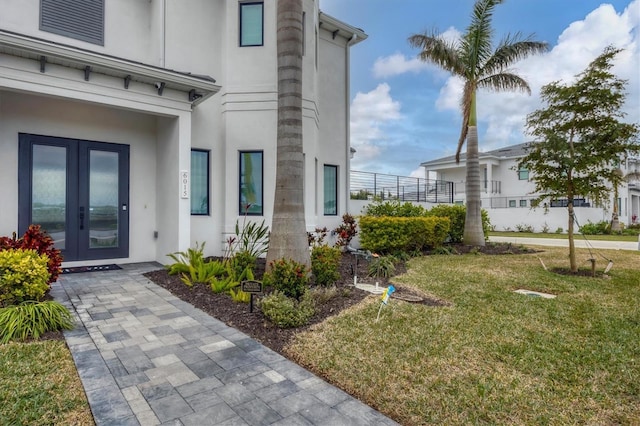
(196, 88)
(337, 27)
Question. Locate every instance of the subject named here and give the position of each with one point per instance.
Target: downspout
(347, 84)
(163, 35)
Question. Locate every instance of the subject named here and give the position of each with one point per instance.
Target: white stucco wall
(126, 31)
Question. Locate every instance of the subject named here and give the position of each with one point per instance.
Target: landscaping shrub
(287, 276)
(347, 230)
(382, 266)
(394, 209)
(36, 239)
(457, 214)
(24, 275)
(252, 238)
(523, 227)
(325, 262)
(32, 319)
(393, 234)
(243, 260)
(598, 228)
(286, 312)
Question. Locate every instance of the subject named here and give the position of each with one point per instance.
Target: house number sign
(184, 184)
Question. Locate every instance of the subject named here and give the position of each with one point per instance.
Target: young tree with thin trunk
(288, 229)
(581, 139)
(480, 66)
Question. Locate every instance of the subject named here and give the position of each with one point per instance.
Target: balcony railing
(367, 186)
(486, 186)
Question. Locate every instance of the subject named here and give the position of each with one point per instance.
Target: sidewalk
(579, 242)
(146, 357)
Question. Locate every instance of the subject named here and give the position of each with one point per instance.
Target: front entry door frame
(78, 245)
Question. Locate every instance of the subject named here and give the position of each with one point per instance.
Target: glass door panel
(49, 191)
(78, 191)
(103, 199)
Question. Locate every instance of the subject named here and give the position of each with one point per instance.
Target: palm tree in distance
(288, 237)
(473, 59)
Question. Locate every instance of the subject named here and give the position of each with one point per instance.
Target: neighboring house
(132, 129)
(506, 192)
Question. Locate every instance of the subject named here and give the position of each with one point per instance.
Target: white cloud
(503, 115)
(370, 112)
(398, 63)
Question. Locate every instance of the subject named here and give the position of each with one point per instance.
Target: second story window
(251, 24)
(523, 174)
(79, 19)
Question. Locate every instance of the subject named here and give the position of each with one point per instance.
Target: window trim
(208, 181)
(324, 189)
(241, 6)
(241, 210)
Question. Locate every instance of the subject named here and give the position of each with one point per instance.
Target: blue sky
(404, 112)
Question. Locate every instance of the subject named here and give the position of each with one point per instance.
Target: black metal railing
(486, 186)
(369, 186)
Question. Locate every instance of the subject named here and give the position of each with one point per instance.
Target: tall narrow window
(79, 19)
(330, 190)
(251, 24)
(250, 169)
(199, 182)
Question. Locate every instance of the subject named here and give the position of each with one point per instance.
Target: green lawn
(628, 238)
(493, 356)
(39, 385)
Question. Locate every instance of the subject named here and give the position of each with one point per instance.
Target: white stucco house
(131, 129)
(507, 192)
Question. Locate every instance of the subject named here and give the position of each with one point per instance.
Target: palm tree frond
(511, 50)
(438, 51)
(505, 81)
(476, 43)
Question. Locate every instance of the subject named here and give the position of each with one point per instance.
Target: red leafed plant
(347, 230)
(37, 239)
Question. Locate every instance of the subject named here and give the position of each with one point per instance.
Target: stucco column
(173, 210)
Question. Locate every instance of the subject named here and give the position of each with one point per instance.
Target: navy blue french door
(78, 191)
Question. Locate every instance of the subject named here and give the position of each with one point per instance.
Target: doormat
(95, 268)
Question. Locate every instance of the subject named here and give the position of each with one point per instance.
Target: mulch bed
(257, 326)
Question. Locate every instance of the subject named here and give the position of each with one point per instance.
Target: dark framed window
(523, 174)
(251, 24)
(79, 19)
(251, 183)
(512, 203)
(330, 190)
(523, 203)
(199, 182)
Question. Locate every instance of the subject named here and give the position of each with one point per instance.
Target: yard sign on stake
(385, 298)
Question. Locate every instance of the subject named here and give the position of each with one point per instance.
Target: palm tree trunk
(288, 229)
(473, 233)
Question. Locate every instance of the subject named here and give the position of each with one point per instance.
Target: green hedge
(457, 214)
(406, 234)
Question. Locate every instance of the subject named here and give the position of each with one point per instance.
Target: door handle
(81, 217)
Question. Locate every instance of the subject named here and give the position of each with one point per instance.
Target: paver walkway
(146, 357)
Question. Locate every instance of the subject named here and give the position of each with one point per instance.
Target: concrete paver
(146, 357)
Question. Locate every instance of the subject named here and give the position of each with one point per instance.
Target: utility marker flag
(385, 298)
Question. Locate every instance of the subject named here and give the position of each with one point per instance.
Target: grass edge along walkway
(39, 384)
